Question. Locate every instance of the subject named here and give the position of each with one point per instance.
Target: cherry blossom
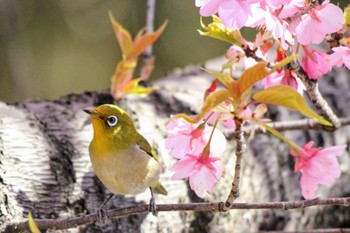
(283, 77)
(314, 63)
(321, 20)
(318, 166)
(290, 9)
(279, 29)
(276, 4)
(234, 13)
(203, 170)
(208, 7)
(185, 138)
(339, 57)
(234, 53)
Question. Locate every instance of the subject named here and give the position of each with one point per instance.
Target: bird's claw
(153, 207)
(101, 215)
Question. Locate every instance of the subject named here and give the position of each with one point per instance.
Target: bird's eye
(112, 121)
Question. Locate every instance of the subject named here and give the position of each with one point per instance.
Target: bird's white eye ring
(112, 121)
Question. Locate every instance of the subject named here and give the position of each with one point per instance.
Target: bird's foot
(101, 213)
(152, 206)
(101, 216)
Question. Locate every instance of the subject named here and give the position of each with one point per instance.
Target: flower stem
(240, 145)
(206, 150)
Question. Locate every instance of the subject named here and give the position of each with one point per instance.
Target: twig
(66, 223)
(301, 12)
(315, 95)
(326, 230)
(240, 144)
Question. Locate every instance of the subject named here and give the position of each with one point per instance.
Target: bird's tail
(159, 188)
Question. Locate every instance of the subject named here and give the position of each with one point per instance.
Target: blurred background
(50, 48)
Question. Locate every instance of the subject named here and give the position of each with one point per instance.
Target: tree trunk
(45, 166)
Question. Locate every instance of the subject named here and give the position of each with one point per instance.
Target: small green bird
(121, 157)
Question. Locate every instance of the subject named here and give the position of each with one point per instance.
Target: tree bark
(45, 166)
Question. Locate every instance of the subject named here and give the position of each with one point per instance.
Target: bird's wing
(146, 147)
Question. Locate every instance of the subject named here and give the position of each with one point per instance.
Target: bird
(121, 157)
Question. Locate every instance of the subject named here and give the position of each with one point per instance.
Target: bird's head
(111, 122)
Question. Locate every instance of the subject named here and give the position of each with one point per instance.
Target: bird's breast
(129, 171)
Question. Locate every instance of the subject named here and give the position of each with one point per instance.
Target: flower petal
(203, 180)
(183, 168)
(308, 186)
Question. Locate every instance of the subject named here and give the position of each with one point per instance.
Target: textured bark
(45, 167)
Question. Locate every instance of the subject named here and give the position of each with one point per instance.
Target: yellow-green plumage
(122, 158)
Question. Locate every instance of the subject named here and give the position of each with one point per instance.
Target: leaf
(259, 72)
(288, 97)
(132, 49)
(134, 88)
(291, 144)
(142, 41)
(32, 225)
(218, 31)
(123, 75)
(347, 14)
(210, 102)
(284, 62)
(123, 36)
(250, 77)
(222, 77)
(147, 68)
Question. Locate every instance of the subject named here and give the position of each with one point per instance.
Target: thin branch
(240, 144)
(326, 230)
(151, 7)
(312, 89)
(301, 12)
(148, 58)
(66, 223)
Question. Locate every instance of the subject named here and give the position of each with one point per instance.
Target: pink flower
(226, 118)
(314, 63)
(208, 7)
(318, 166)
(321, 20)
(276, 4)
(235, 13)
(339, 57)
(235, 53)
(293, 7)
(283, 77)
(185, 138)
(203, 171)
(279, 30)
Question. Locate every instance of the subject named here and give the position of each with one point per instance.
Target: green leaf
(134, 88)
(211, 102)
(288, 97)
(291, 144)
(347, 14)
(32, 225)
(217, 30)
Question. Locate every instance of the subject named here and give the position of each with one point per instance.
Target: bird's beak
(91, 113)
